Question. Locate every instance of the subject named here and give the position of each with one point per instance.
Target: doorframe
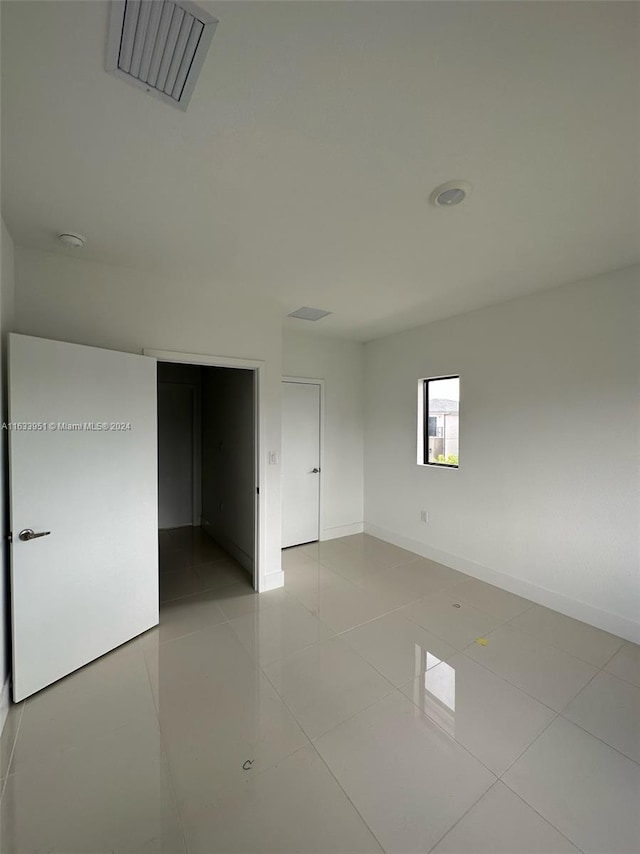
(260, 436)
(321, 383)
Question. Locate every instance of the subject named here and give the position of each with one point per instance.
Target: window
(439, 428)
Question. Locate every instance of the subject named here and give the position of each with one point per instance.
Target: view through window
(441, 436)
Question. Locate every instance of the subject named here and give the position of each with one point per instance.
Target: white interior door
(300, 472)
(87, 473)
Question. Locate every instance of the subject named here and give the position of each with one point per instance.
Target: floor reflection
(435, 689)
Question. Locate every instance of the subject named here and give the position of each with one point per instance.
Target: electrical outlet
(424, 516)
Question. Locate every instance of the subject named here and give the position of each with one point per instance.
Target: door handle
(29, 534)
(314, 471)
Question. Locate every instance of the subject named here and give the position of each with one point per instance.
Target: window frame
(425, 420)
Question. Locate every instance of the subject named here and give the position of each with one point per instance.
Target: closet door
(300, 483)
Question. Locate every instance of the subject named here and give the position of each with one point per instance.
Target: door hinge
(257, 490)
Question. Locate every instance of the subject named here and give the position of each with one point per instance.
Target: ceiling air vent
(306, 313)
(159, 45)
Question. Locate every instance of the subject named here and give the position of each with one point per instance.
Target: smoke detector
(71, 240)
(159, 45)
(450, 194)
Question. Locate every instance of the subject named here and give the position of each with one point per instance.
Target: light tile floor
(353, 711)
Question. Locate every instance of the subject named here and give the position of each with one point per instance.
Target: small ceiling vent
(306, 313)
(159, 45)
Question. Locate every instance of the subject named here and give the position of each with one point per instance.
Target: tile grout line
(584, 687)
(504, 678)
(466, 812)
(156, 705)
(518, 757)
(518, 795)
(349, 717)
(174, 791)
(559, 648)
(362, 818)
(609, 660)
(509, 682)
(199, 592)
(597, 737)
(530, 746)
(311, 742)
(437, 591)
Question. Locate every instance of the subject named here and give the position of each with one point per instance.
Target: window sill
(438, 466)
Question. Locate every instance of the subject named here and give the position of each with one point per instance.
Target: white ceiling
(315, 135)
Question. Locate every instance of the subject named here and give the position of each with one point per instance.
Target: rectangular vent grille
(308, 313)
(159, 45)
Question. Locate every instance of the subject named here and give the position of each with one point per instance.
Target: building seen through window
(441, 407)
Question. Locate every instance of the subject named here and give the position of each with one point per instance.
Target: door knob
(314, 471)
(29, 534)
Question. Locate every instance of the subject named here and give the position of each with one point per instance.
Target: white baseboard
(342, 531)
(272, 581)
(606, 620)
(5, 702)
(245, 560)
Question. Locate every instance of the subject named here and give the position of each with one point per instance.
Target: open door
(83, 502)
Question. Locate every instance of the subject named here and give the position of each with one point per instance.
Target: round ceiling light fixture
(450, 194)
(71, 240)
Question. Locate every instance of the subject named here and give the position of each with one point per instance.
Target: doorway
(207, 480)
(257, 367)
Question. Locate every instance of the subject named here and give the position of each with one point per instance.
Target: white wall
(228, 461)
(175, 454)
(340, 364)
(179, 429)
(6, 325)
(537, 506)
(70, 299)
